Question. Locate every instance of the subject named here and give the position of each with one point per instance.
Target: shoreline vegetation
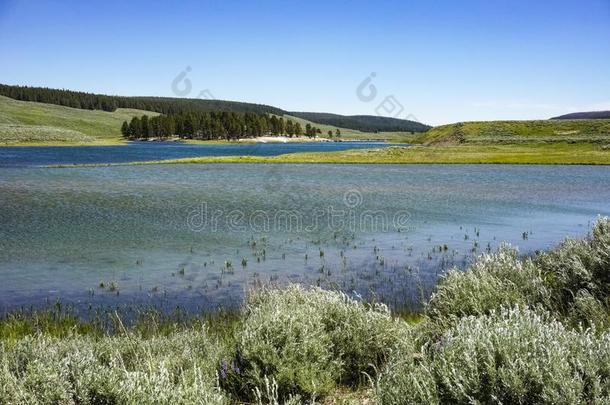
(509, 329)
(530, 154)
(586, 141)
(51, 117)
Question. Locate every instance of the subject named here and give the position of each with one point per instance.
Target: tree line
(171, 105)
(163, 105)
(215, 125)
(364, 123)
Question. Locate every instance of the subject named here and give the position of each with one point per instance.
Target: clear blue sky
(443, 61)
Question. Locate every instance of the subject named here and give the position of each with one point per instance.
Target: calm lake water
(143, 151)
(199, 236)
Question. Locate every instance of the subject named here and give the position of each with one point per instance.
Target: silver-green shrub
(308, 340)
(175, 369)
(515, 356)
(578, 274)
(572, 282)
(496, 280)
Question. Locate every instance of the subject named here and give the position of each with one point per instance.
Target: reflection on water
(198, 236)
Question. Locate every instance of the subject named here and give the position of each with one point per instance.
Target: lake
(143, 151)
(199, 236)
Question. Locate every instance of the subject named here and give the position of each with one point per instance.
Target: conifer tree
(125, 130)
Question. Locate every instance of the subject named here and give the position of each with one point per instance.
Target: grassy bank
(507, 330)
(538, 153)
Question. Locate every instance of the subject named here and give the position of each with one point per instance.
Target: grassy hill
(168, 105)
(32, 123)
(515, 132)
(584, 115)
(164, 105)
(364, 123)
(354, 134)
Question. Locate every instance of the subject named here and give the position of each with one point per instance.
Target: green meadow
(30, 123)
(502, 132)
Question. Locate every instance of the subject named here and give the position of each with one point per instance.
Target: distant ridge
(364, 123)
(163, 105)
(589, 115)
(173, 105)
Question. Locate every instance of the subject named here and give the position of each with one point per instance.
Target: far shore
(261, 139)
(560, 153)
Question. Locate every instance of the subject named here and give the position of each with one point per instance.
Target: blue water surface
(199, 237)
(142, 151)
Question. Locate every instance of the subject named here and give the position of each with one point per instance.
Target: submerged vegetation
(507, 330)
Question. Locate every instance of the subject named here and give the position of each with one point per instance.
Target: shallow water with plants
(199, 236)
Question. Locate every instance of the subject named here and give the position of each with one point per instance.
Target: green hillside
(364, 123)
(173, 105)
(354, 134)
(584, 115)
(510, 132)
(33, 123)
(164, 105)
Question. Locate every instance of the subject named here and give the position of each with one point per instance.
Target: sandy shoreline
(283, 139)
(260, 139)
